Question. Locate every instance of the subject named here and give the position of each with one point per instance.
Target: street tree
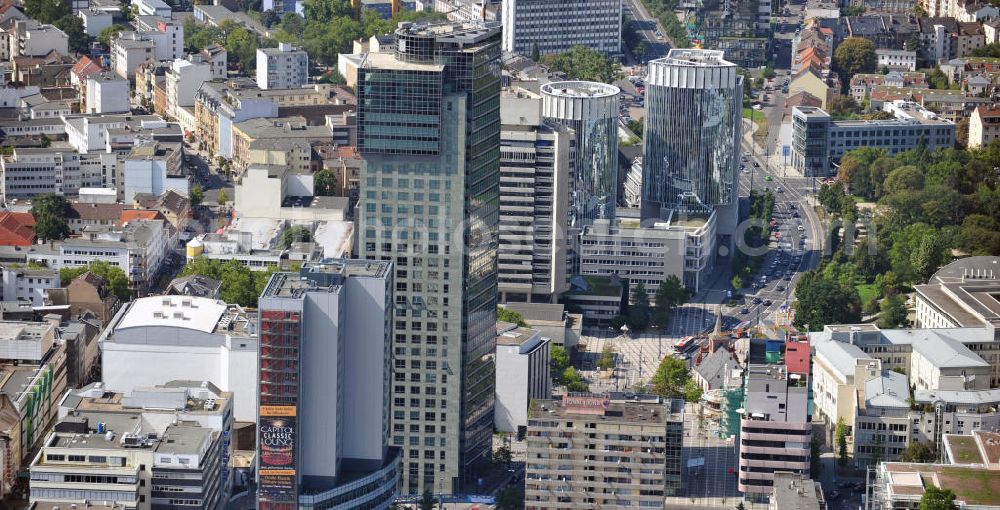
(50, 211)
(855, 55)
(935, 498)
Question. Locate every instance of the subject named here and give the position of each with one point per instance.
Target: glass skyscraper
(692, 132)
(429, 137)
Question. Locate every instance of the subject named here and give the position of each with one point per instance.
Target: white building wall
(107, 96)
(511, 408)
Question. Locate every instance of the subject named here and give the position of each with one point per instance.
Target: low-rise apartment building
(818, 141)
(522, 375)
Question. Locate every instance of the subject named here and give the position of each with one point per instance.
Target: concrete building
(153, 340)
(442, 83)
(599, 298)
(535, 188)
(152, 8)
(107, 94)
(529, 24)
(577, 444)
(896, 60)
(793, 491)
(552, 321)
(818, 141)
(680, 245)
(219, 105)
(984, 126)
(95, 20)
(283, 67)
(184, 79)
(522, 375)
(960, 294)
(286, 142)
(29, 284)
(29, 38)
(128, 51)
(325, 375)
(31, 172)
(275, 192)
(692, 132)
(32, 377)
(775, 428)
(155, 448)
(154, 168)
(166, 35)
(590, 110)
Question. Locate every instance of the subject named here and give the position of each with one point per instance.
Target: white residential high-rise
(535, 187)
(555, 26)
(323, 414)
(283, 67)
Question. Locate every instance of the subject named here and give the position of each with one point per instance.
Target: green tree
(50, 211)
(768, 73)
(919, 452)
(740, 506)
(877, 446)
(692, 392)
(935, 498)
(938, 80)
(606, 360)
(427, 498)
(510, 498)
(295, 234)
(502, 456)
(855, 55)
(114, 277)
(237, 284)
(669, 295)
(72, 26)
(736, 283)
(823, 301)
(536, 54)
(196, 195)
(892, 312)
(573, 381)
(44, 140)
(558, 363)
(841, 434)
(46, 11)
(635, 126)
(325, 183)
(505, 314)
(843, 107)
(815, 458)
(584, 63)
(293, 24)
(269, 18)
(639, 51)
(222, 198)
(638, 312)
(670, 378)
(241, 45)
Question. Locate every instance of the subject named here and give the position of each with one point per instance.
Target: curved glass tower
(590, 109)
(692, 132)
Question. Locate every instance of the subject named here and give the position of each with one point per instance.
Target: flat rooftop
(972, 485)
(603, 408)
(580, 89)
(388, 61)
(187, 312)
(325, 276)
(690, 57)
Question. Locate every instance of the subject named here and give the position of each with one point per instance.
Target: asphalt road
(646, 26)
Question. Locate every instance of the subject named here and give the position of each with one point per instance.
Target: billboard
(277, 452)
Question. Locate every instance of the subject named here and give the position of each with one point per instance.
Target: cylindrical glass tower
(590, 109)
(692, 132)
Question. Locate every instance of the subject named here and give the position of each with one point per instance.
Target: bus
(683, 345)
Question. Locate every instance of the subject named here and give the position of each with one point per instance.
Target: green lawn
(760, 120)
(867, 291)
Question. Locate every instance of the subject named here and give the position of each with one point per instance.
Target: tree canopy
(673, 380)
(114, 277)
(50, 211)
(324, 183)
(584, 63)
(935, 498)
(505, 314)
(855, 55)
(239, 284)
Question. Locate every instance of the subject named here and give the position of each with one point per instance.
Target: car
(795, 214)
(746, 170)
(757, 107)
(767, 178)
(801, 228)
(757, 165)
(767, 302)
(780, 288)
(746, 154)
(787, 278)
(744, 310)
(756, 300)
(778, 189)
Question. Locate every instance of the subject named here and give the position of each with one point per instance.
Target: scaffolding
(730, 412)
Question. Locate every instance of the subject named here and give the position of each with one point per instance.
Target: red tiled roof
(86, 67)
(988, 111)
(106, 212)
(17, 229)
(139, 214)
(803, 98)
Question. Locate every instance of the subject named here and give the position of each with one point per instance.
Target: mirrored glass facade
(692, 132)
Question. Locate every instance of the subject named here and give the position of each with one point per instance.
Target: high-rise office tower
(535, 161)
(691, 133)
(590, 109)
(323, 412)
(429, 136)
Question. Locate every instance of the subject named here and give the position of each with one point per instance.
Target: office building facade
(323, 412)
(429, 138)
(587, 452)
(535, 161)
(590, 109)
(528, 24)
(523, 357)
(692, 131)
